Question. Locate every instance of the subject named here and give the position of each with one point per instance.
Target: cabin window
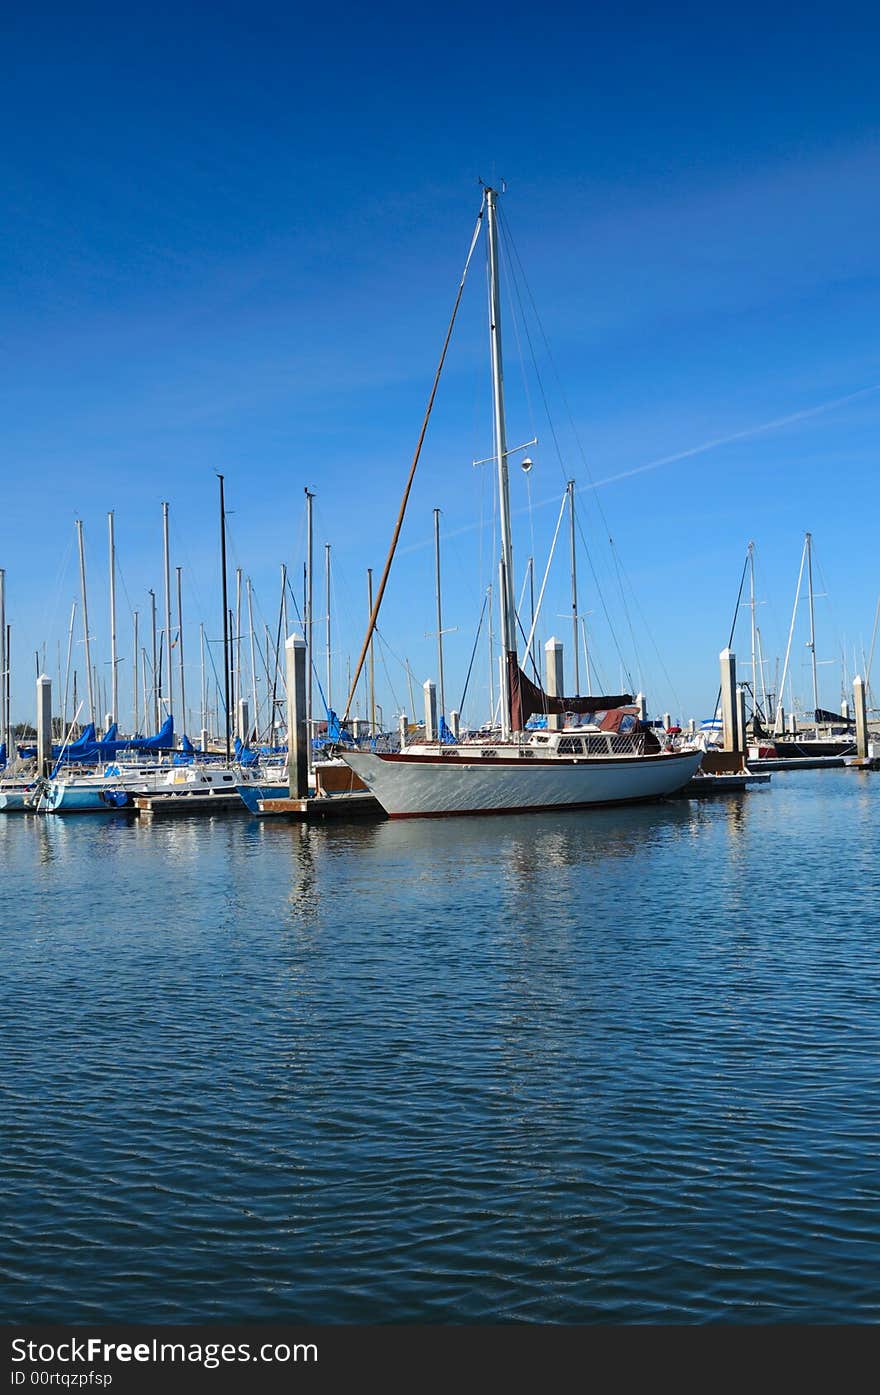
(570, 746)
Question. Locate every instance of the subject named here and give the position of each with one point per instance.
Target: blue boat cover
(243, 755)
(446, 736)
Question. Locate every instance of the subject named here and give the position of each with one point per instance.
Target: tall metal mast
(85, 607)
(134, 677)
(3, 661)
(574, 591)
(490, 634)
(66, 672)
(439, 613)
(236, 677)
(154, 686)
(168, 681)
(255, 718)
(777, 725)
(372, 665)
(870, 662)
(225, 614)
(180, 651)
(309, 615)
(114, 674)
(532, 613)
(204, 693)
(754, 628)
(9, 734)
(508, 605)
(327, 641)
(811, 644)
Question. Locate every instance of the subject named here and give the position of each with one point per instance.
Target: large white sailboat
(607, 761)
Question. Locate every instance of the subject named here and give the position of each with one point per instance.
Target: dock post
(844, 709)
(204, 739)
(44, 725)
(692, 727)
(297, 724)
(859, 700)
(642, 705)
(792, 724)
(108, 721)
(402, 724)
(455, 723)
(553, 678)
(430, 690)
(243, 720)
(742, 744)
(667, 721)
(727, 659)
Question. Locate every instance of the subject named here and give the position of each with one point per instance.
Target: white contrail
(679, 455)
(735, 436)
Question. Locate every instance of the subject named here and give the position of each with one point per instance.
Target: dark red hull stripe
(486, 762)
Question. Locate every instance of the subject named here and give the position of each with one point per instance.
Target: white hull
(409, 786)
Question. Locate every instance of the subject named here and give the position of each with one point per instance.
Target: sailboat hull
(421, 786)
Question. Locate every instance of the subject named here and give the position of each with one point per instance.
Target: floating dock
(172, 804)
(798, 762)
(358, 805)
(862, 762)
(734, 782)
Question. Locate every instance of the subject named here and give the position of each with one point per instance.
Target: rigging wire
(742, 582)
(473, 654)
(395, 698)
(588, 551)
(400, 516)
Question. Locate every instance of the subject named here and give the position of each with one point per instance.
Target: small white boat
(13, 797)
(100, 792)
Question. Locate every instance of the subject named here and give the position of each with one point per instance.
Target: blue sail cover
(88, 750)
(446, 736)
(243, 756)
(78, 750)
(187, 752)
(336, 732)
(3, 756)
(162, 741)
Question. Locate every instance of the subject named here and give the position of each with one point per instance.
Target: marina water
(609, 1066)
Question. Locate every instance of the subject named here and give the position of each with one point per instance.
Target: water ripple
(618, 1066)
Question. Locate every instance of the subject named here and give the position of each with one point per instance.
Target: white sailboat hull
(414, 786)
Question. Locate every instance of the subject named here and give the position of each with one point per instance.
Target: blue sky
(232, 238)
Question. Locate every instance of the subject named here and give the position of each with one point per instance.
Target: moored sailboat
(607, 761)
